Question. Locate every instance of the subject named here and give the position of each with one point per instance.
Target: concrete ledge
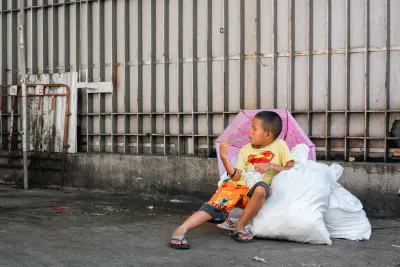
(375, 184)
(144, 174)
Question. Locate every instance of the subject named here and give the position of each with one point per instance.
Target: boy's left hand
(263, 167)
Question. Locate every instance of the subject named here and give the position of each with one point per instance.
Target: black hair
(271, 122)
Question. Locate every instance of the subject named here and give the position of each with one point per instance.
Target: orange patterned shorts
(228, 196)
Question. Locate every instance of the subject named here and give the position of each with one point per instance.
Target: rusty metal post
(22, 67)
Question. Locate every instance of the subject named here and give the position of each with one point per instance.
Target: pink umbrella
(292, 133)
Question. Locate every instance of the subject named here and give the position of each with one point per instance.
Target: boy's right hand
(223, 148)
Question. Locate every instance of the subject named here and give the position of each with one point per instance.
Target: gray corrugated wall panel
(197, 99)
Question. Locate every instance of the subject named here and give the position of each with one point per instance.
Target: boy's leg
(192, 222)
(257, 196)
(219, 206)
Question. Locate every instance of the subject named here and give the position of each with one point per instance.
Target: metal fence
(167, 76)
(47, 118)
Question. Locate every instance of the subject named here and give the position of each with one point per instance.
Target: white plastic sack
(344, 200)
(252, 177)
(345, 217)
(340, 197)
(347, 225)
(337, 171)
(295, 209)
(223, 178)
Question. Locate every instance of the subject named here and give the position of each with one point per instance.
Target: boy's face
(257, 134)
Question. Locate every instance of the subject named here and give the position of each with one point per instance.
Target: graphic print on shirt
(263, 157)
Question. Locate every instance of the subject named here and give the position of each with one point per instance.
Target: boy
(267, 155)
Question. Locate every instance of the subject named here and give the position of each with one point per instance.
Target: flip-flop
(236, 237)
(180, 246)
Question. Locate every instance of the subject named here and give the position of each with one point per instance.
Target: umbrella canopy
(292, 133)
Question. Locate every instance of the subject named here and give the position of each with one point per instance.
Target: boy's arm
(263, 167)
(286, 161)
(230, 170)
(227, 164)
(279, 168)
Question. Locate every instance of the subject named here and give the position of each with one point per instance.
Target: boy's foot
(241, 235)
(181, 246)
(178, 238)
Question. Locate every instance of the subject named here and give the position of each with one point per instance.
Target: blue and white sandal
(180, 246)
(240, 240)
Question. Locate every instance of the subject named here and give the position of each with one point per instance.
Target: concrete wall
(376, 185)
(143, 174)
(177, 72)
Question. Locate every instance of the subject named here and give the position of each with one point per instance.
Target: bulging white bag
(251, 177)
(345, 217)
(340, 197)
(223, 178)
(347, 225)
(300, 197)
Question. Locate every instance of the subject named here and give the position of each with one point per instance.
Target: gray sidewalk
(103, 229)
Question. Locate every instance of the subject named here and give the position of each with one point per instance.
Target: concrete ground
(104, 229)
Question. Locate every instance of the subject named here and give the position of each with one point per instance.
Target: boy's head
(266, 127)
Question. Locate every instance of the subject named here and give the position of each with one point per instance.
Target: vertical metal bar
(127, 94)
(77, 37)
(77, 59)
(226, 62)
(387, 76)
(102, 133)
(14, 63)
(366, 79)
(209, 79)
(258, 60)
(89, 76)
(153, 40)
(66, 55)
(102, 102)
(33, 30)
(166, 76)
(102, 51)
(11, 131)
(22, 63)
(54, 40)
(139, 141)
(89, 126)
(45, 39)
(194, 82)
(274, 51)
(3, 74)
(291, 54)
(310, 65)
(14, 43)
(180, 76)
(328, 80)
(26, 18)
(114, 76)
(347, 85)
(241, 56)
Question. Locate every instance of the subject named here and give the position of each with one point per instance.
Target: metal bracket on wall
(96, 87)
